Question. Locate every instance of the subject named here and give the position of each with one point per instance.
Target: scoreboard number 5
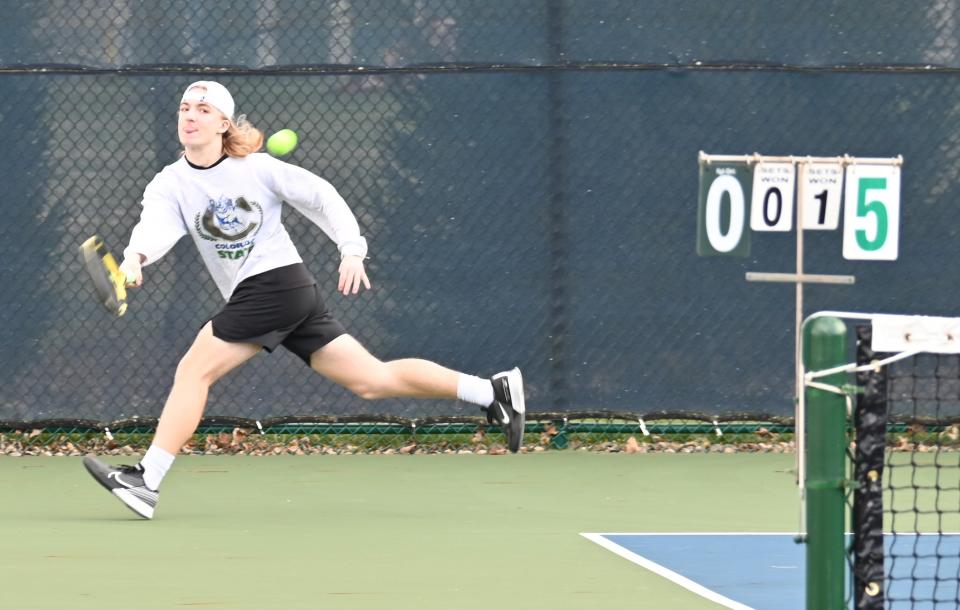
(871, 215)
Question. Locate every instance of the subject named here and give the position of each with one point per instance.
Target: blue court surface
(766, 571)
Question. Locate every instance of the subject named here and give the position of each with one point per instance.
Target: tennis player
(228, 198)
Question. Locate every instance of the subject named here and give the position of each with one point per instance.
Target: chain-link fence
(525, 173)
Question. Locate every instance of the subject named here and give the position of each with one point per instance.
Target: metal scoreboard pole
(799, 279)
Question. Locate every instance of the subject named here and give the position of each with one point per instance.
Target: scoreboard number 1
(823, 190)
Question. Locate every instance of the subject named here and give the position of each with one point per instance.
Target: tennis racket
(109, 282)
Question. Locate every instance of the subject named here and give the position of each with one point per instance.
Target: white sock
(155, 463)
(476, 390)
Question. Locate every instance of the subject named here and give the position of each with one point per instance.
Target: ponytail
(242, 138)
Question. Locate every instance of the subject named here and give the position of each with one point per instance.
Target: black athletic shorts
(281, 306)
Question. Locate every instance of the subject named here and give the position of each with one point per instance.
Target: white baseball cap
(211, 93)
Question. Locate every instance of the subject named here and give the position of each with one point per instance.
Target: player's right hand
(352, 275)
(132, 270)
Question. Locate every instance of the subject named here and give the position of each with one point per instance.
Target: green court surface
(359, 531)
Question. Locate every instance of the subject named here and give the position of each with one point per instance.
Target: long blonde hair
(241, 138)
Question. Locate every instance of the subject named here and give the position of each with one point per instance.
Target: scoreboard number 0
(720, 240)
(771, 208)
(722, 222)
(769, 219)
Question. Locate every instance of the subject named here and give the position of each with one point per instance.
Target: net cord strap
(853, 367)
(833, 389)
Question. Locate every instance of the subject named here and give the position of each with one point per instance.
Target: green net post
(824, 347)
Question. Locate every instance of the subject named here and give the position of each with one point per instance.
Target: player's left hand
(352, 275)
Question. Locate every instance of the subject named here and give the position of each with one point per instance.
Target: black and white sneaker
(125, 482)
(508, 409)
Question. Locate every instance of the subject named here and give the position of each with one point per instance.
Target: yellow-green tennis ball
(282, 143)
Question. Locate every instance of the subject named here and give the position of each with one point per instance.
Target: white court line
(656, 568)
(758, 534)
(685, 582)
(693, 534)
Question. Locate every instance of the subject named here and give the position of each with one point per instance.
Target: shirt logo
(227, 219)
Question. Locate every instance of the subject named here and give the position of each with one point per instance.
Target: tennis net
(905, 467)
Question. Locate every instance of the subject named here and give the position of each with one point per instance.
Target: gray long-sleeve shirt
(232, 211)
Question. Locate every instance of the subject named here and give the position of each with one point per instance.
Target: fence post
(559, 233)
(825, 346)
